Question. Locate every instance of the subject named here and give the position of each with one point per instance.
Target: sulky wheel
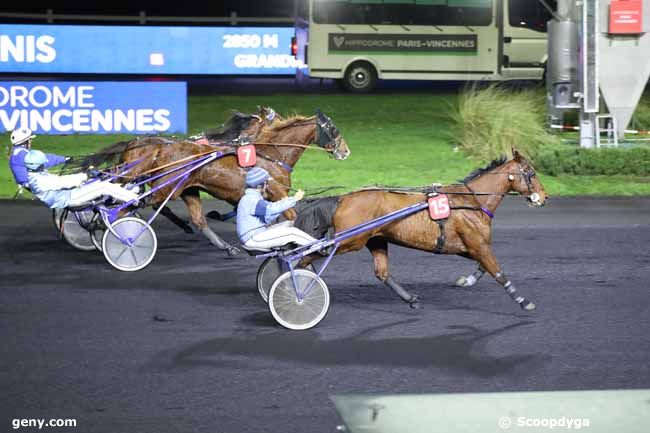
(96, 229)
(74, 231)
(134, 249)
(268, 272)
(57, 213)
(294, 313)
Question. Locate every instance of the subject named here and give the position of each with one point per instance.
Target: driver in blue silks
(58, 192)
(21, 144)
(254, 213)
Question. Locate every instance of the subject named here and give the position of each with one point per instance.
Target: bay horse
(466, 232)
(224, 178)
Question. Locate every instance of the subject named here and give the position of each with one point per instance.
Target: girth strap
(440, 243)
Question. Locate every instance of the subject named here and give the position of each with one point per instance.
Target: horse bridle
(328, 133)
(527, 175)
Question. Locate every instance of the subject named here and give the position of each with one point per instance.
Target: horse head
(523, 179)
(329, 137)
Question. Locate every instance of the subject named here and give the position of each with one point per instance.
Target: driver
(63, 191)
(254, 213)
(21, 144)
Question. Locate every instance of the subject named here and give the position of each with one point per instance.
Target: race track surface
(186, 345)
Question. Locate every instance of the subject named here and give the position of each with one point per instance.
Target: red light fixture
(294, 46)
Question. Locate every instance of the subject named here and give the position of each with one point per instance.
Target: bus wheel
(360, 77)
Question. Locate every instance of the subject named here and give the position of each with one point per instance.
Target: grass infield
(394, 139)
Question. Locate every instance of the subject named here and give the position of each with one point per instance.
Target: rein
(187, 158)
(304, 146)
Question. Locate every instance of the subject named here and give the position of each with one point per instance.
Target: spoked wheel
(74, 231)
(268, 272)
(292, 311)
(97, 229)
(134, 249)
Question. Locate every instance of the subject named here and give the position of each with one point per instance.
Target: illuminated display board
(146, 50)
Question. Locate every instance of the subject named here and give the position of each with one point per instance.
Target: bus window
(340, 12)
(449, 13)
(534, 17)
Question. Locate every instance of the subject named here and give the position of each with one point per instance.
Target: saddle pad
(246, 155)
(439, 207)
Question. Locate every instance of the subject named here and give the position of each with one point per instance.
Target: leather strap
(440, 243)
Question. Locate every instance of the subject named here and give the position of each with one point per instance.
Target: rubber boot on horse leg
(379, 249)
(471, 279)
(524, 303)
(400, 291)
(218, 242)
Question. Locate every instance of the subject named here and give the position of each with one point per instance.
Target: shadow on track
(462, 350)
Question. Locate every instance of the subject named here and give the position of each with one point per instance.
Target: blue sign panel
(94, 107)
(146, 50)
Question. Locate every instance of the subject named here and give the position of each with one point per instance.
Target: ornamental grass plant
(488, 121)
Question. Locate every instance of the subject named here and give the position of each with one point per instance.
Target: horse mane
(110, 154)
(315, 216)
(269, 131)
(491, 166)
(231, 129)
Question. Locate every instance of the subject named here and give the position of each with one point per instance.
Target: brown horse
(466, 232)
(224, 178)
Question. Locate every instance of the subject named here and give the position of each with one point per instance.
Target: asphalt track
(186, 345)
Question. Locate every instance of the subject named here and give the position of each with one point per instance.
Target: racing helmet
(256, 177)
(35, 160)
(21, 135)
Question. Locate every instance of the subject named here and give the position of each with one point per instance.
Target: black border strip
(325, 70)
(393, 71)
(389, 71)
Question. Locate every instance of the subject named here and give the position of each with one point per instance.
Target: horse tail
(315, 217)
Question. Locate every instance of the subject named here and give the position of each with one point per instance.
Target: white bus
(361, 41)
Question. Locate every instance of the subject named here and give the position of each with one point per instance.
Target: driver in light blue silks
(58, 192)
(21, 144)
(254, 213)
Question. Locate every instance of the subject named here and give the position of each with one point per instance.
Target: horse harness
(433, 192)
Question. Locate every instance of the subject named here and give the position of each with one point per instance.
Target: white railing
(142, 18)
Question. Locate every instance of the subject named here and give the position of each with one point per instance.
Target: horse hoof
(233, 251)
(461, 282)
(414, 303)
(528, 306)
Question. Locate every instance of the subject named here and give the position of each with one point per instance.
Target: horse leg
(167, 212)
(193, 203)
(472, 279)
(487, 261)
(379, 249)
